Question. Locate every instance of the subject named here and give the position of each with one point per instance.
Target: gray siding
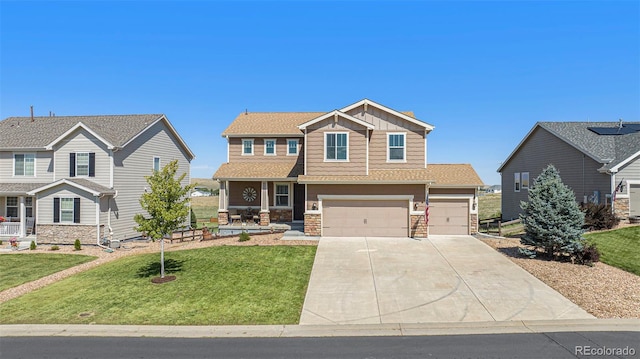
(43, 169)
(631, 171)
(316, 164)
(45, 204)
(131, 165)
(577, 171)
(235, 150)
(82, 141)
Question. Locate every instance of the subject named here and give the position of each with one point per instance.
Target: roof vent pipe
(620, 124)
(31, 113)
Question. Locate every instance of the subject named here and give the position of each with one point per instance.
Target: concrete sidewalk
(354, 330)
(368, 280)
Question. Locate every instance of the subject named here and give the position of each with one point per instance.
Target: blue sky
(482, 72)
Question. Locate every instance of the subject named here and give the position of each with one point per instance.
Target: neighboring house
(81, 177)
(494, 189)
(595, 159)
(200, 192)
(358, 171)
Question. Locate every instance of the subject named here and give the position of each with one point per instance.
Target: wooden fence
(495, 225)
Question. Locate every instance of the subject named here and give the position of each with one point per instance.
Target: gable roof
(80, 183)
(611, 150)
(336, 113)
(408, 116)
(113, 130)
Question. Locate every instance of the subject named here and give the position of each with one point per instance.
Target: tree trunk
(162, 257)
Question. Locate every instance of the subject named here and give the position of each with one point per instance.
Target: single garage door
(449, 216)
(371, 218)
(634, 200)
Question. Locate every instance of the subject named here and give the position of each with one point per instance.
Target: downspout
(97, 201)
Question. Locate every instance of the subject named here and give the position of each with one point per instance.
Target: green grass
(489, 205)
(619, 248)
(214, 286)
(21, 268)
(205, 207)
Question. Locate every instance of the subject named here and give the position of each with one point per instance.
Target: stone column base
(474, 223)
(264, 218)
(313, 224)
(418, 226)
(223, 217)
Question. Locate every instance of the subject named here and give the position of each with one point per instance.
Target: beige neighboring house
(64, 178)
(358, 171)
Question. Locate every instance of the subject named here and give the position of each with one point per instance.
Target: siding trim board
(335, 114)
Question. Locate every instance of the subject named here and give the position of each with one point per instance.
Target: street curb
(292, 331)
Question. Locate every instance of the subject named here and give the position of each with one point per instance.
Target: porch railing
(9, 228)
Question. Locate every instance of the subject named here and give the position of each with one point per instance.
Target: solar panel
(615, 131)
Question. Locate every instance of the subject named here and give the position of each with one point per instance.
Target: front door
(298, 202)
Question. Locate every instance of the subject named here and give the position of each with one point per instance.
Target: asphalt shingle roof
(259, 170)
(19, 188)
(21, 132)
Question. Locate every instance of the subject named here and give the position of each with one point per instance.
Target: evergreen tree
(552, 219)
(167, 204)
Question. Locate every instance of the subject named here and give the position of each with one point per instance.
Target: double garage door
(390, 218)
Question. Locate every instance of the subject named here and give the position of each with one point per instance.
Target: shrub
(194, 219)
(76, 245)
(32, 246)
(244, 236)
(1, 242)
(588, 255)
(598, 217)
(54, 247)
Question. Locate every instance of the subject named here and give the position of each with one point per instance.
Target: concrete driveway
(440, 279)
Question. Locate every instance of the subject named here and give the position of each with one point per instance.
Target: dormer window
(247, 147)
(24, 164)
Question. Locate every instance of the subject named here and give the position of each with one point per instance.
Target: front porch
(17, 216)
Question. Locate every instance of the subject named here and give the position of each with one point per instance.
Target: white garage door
(448, 216)
(351, 218)
(634, 200)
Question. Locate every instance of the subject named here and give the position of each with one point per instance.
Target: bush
(598, 217)
(32, 246)
(588, 255)
(244, 236)
(1, 242)
(54, 247)
(194, 219)
(76, 245)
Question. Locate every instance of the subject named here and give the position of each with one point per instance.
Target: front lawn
(21, 268)
(214, 286)
(619, 248)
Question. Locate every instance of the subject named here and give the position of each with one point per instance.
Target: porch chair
(235, 217)
(31, 222)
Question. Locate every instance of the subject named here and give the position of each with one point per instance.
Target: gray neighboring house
(599, 161)
(81, 177)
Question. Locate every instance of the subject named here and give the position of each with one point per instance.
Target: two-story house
(599, 161)
(64, 178)
(358, 171)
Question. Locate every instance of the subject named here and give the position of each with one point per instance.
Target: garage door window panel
(336, 146)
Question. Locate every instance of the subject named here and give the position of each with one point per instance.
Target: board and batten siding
(235, 150)
(45, 204)
(541, 149)
(82, 141)
(316, 164)
(417, 190)
(131, 165)
(43, 167)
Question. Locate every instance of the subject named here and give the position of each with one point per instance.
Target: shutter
(92, 164)
(76, 210)
(72, 165)
(56, 210)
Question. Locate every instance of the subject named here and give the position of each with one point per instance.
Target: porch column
(264, 204)
(223, 211)
(23, 218)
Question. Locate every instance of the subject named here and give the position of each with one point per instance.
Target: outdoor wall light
(314, 206)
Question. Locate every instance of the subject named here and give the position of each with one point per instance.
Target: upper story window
(336, 146)
(82, 164)
(247, 147)
(24, 164)
(156, 164)
(292, 147)
(270, 147)
(516, 182)
(525, 180)
(396, 149)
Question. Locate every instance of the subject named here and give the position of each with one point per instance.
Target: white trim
(450, 196)
(297, 146)
(522, 181)
(404, 147)
(86, 128)
(97, 201)
(275, 194)
(88, 164)
(388, 110)
(13, 167)
(264, 144)
(325, 146)
(367, 152)
(426, 151)
(252, 140)
(616, 168)
(62, 181)
(517, 181)
(111, 169)
(305, 152)
(339, 114)
(171, 128)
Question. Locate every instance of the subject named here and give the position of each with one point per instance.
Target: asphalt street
(534, 345)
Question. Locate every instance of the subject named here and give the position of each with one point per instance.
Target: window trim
(154, 163)
(6, 206)
(88, 163)
(516, 182)
(275, 194)
(27, 207)
(404, 147)
(326, 134)
(252, 147)
(297, 146)
(522, 176)
(275, 143)
(72, 210)
(23, 162)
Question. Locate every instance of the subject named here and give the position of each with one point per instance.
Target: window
(24, 164)
(395, 142)
(292, 147)
(66, 210)
(247, 147)
(269, 147)
(156, 164)
(516, 182)
(282, 194)
(525, 180)
(336, 147)
(28, 205)
(82, 164)
(12, 207)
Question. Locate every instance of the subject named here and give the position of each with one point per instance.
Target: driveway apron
(365, 280)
